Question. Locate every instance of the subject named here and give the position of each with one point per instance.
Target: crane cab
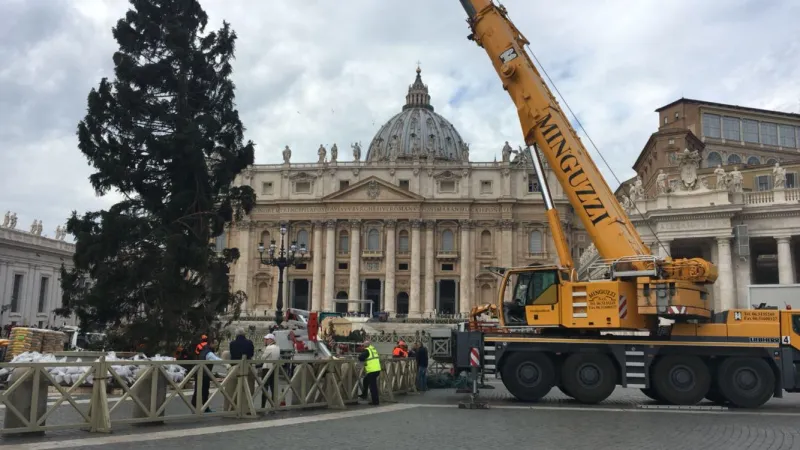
(547, 296)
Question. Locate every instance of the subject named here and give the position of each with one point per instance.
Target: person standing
(271, 353)
(204, 352)
(421, 354)
(240, 347)
(372, 368)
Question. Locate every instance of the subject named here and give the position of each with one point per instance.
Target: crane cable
(580, 125)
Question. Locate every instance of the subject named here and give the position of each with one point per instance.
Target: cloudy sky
(317, 72)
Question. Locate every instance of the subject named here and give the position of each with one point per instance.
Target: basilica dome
(417, 132)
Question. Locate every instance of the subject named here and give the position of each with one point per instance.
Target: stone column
(785, 269)
(316, 267)
(464, 300)
(507, 252)
(330, 263)
(355, 263)
(241, 279)
(663, 248)
(725, 267)
(391, 265)
(414, 298)
(430, 271)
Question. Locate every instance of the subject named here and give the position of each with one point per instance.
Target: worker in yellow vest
(372, 369)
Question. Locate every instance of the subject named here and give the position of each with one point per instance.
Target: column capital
(390, 223)
(318, 224)
(330, 224)
(466, 223)
(416, 223)
(783, 239)
(430, 224)
(723, 240)
(355, 223)
(506, 224)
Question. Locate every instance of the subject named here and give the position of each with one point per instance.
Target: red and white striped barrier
(474, 358)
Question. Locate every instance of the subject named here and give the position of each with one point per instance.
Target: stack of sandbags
(24, 340)
(52, 341)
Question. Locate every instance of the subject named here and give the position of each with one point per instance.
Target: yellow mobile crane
(741, 357)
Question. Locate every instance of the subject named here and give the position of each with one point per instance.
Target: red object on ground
(312, 327)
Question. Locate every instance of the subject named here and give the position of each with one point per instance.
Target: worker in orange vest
(400, 350)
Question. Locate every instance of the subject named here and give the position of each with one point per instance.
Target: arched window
(344, 242)
(772, 161)
(753, 161)
(302, 238)
(447, 241)
(402, 303)
(734, 159)
(403, 238)
(486, 242)
(713, 159)
(341, 307)
(535, 242)
(373, 240)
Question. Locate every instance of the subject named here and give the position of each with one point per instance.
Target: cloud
(318, 72)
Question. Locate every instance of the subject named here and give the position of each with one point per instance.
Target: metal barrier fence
(152, 396)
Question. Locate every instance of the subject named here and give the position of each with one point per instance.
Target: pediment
(373, 189)
(303, 176)
(447, 175)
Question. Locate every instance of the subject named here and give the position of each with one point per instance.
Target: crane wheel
(715, 396)
(652, 394)
(589, 377)
(746, 382)
(681, 379)
(528, 376)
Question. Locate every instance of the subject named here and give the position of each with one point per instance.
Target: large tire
(746, 382)
(715, 396)
(652, 394)
(528, 376)
(589, 377)
(681, 379)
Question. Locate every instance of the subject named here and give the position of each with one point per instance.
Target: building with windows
(411, 226)
(30, 265)
(720, 182)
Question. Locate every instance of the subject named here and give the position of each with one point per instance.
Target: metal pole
(279, 301)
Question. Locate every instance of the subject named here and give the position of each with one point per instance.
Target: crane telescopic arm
(545, 125)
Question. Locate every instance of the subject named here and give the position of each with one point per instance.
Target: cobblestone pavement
(507, 427)
(432, 419)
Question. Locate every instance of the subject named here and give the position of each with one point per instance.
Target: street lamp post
(281, 257)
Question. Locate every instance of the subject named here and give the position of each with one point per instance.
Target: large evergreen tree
(166, 135)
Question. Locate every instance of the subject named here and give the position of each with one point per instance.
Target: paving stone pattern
(507, 428)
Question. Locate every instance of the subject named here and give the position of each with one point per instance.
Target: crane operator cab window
(532, 288)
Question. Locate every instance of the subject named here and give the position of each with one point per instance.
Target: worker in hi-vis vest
(372, 369)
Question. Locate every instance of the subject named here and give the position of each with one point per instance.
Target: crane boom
(544, 124)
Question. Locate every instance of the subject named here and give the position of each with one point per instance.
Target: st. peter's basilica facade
(414, 208)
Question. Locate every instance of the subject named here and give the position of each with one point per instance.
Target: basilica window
(734, 159)
(373, 240)
(344, 242)
(486, 242)
(448, 241)
(535, 246)
(302, 238)
(753, 161)
(403, 241)
(302, 187)
(265, 238)
(713, 159)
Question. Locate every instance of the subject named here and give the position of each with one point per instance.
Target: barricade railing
(34, 396)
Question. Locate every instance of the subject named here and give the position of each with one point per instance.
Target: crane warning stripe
(623, 306)
(474, 358)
